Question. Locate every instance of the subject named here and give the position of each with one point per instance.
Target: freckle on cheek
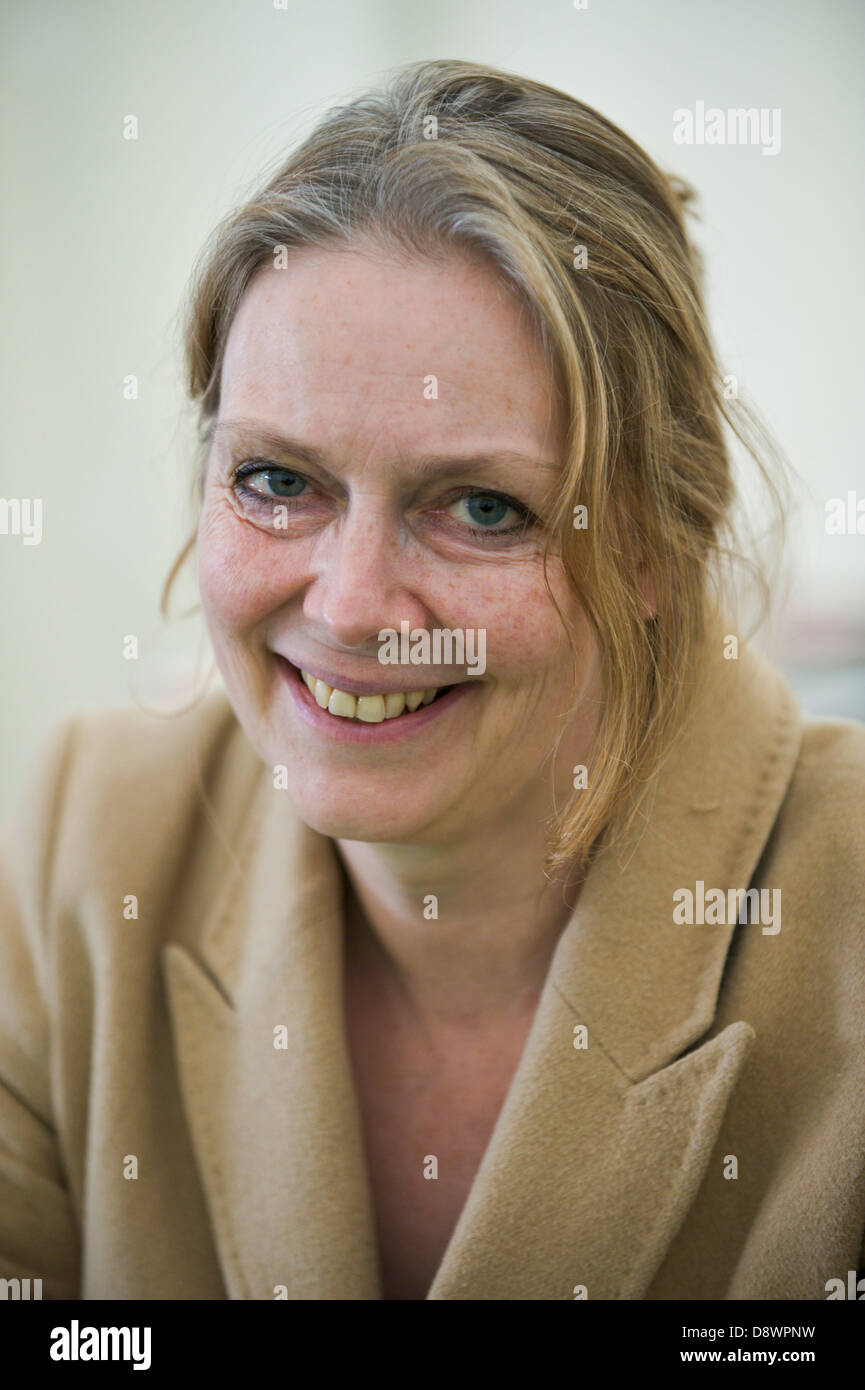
(241, 583)
(222, 585)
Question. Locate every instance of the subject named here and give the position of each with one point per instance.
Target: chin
(357, 824)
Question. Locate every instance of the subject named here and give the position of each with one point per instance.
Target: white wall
(98, 236)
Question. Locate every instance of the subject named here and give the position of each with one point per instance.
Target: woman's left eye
(487, 511)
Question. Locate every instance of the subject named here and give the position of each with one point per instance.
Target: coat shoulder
(817, 849)
(116, 795)
(116, 750)
(827, 789)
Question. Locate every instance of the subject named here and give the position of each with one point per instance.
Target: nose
(361, 581)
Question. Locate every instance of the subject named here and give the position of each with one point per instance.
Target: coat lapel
(587, 1177)
(276, 1129)
(598, 1151)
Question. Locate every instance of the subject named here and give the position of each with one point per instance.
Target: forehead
(342, 345)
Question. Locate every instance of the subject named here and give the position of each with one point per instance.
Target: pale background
(99, 234)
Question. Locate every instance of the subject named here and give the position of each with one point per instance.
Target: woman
(499, 935)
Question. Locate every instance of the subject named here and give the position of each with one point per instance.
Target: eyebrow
(297, 449)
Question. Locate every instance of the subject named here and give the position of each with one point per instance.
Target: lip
(386, 686)
(404, 726)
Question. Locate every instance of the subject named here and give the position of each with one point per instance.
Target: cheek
(242, 572)
(524, 632)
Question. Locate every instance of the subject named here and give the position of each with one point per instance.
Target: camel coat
(687, 1120)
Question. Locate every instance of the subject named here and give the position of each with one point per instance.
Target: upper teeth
(372, 709)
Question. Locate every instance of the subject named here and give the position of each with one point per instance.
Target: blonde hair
(452, 154)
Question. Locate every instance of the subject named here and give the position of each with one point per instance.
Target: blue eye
(280, 482)
(486, 511)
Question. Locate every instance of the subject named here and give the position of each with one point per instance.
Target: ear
(646, 582)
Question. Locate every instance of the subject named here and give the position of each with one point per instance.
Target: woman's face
(423, 446)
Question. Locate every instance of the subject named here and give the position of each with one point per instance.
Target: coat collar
(709, 816)
(597, 1152)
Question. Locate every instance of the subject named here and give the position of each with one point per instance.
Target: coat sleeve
(39, 1238)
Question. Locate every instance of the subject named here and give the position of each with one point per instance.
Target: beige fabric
(153, 1037)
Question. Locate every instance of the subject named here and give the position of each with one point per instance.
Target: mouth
(372, 708)
(367, 714)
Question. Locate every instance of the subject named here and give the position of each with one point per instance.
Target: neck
(460, 934)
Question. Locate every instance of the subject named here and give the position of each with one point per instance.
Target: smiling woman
(367, 977)
(355, 538)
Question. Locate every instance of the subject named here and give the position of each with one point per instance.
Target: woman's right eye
(269, 481)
